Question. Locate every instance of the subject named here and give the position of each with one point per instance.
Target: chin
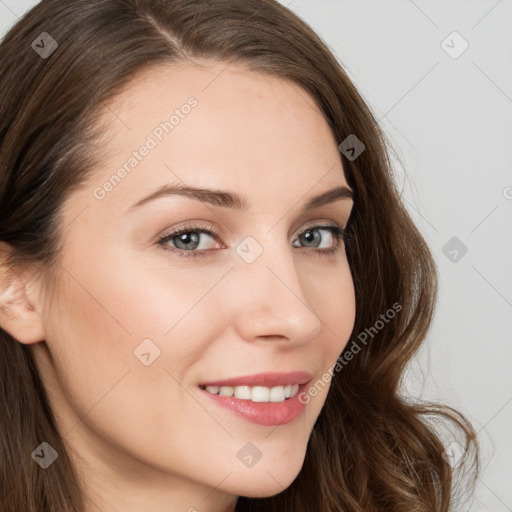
(266, 481)
(265, 488)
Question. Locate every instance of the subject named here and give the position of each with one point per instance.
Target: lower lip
(263, 413)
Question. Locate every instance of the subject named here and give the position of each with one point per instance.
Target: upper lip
(269, 379)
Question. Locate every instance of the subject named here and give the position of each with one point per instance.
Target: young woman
(210, 288)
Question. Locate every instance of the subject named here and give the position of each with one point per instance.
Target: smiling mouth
(267, 406)
(255, 393)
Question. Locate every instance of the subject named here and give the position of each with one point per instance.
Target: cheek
(336, 307)
(333, 298)
(100, 318)
(347, 311)
(128, 315)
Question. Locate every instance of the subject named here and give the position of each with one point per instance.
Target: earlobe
(19, 316)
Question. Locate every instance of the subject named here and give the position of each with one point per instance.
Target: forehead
(218, 125)
(230, 97)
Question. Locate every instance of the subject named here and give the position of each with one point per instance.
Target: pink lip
(269, 379)
(262, 413)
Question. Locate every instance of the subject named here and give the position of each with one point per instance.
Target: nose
(270, 303)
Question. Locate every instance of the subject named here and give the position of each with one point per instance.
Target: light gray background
(450, 121)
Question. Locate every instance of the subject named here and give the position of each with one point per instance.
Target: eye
(187, 241)
(312, 236)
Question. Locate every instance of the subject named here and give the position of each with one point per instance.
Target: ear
(20, 309)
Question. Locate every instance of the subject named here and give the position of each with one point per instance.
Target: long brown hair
(372, 448)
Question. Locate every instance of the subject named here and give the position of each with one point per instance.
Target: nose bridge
(270, 297)
(268, 261)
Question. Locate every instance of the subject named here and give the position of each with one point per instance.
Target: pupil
(311, 235)
(186, 238)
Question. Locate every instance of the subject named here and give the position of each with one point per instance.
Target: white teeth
(256, 393)
(277, 394)
(243, 392)
(260, 394)
(226, 391)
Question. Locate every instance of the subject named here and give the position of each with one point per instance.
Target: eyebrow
(232, 200)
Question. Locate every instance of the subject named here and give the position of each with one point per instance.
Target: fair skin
(145, 438)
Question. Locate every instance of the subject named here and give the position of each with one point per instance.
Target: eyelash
(337, 231)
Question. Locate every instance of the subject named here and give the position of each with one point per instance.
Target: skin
(145, 438)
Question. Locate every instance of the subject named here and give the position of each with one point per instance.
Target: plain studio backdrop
(438, 76)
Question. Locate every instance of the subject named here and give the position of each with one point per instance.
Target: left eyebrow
(232, 200)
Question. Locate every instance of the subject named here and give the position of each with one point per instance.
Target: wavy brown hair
(372, 448)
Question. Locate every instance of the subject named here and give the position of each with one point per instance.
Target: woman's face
(137, 327)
